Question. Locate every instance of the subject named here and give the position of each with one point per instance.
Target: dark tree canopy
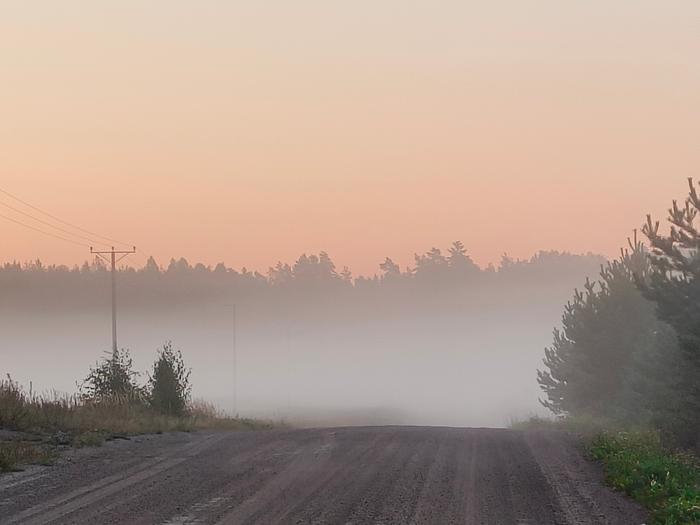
(169, 384)
(674, 285)
(435, 273)
(598, 363)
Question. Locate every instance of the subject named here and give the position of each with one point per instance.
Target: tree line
(629, 346)
(311, 276)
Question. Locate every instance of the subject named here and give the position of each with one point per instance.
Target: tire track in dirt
(354, 475)
(54, 509)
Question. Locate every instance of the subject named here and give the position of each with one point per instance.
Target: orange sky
(251, 132)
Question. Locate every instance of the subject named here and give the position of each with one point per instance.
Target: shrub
(113, 380)
(169, 384)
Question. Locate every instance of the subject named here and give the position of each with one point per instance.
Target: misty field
(403, 347)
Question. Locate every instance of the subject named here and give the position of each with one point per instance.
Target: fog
(433, 345)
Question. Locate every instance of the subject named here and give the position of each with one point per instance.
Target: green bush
(169, 384)
(110, 404)
(113, 379)
(668, 484)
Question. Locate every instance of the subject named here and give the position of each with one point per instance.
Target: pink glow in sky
(252, 132)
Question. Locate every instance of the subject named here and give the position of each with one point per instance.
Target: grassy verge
(667, 483)
(37, 427)
(585, 427)
(16, 453)
(637, 463)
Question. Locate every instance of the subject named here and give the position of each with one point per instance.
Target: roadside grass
(586, 427)
(57, 420)
(667, 483)
(637, 463)
(16, 453)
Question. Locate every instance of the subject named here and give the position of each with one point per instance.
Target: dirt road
(373, 475)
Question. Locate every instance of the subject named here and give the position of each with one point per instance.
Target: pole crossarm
(100, 252)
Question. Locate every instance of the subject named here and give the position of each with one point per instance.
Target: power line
(62, 221)
(51, 225)
(44, 232)
(113, 253)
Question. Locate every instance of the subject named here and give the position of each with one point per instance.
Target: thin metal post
(235, 365)
(234, 330)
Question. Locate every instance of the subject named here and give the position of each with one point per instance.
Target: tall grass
(73, 413)
(14, 453)
(64, 419)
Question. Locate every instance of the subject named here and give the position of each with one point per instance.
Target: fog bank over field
(446, 343)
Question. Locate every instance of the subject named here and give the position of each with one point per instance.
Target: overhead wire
(66, 223)
(93, 241)
(44, 232)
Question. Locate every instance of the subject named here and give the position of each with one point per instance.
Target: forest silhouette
(310, 279)
(414, 344)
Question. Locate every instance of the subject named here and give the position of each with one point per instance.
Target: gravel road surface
(353, 475)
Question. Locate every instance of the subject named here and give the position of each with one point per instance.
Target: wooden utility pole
(113, 260)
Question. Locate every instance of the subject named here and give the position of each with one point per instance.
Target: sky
(250, 132)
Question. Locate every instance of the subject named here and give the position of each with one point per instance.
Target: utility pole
(113, 260)
(235, 364)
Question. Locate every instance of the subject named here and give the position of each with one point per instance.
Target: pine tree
(598, 362)
(346, 275)
(459, 261)
(390, 270)
(169, 384)
(674, 285)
